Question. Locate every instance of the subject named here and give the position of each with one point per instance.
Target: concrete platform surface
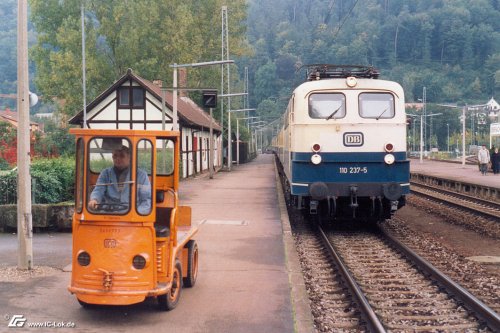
(243, 283)
(456, 171)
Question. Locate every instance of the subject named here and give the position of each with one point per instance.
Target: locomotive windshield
(327, 106)
(376, 105)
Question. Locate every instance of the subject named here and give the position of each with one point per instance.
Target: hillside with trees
(450, 47)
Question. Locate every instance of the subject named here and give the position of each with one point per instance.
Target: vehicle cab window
(80, 157)
(144, 168)
(164, 157)
(109, 176)
(327, 106)
(376, 105)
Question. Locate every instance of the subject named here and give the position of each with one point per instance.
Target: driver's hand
(93, 203)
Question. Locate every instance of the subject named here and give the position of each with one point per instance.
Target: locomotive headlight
(389, 147)
(351, 82)
(389, 159)
(316, 159)
(316, 147)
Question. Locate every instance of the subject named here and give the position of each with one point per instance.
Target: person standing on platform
(483, 156)
(495, 161)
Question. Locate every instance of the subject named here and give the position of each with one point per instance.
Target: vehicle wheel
(192, 267)
(169, 301)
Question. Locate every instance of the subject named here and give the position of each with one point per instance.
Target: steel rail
(458, 205)
(371, 318)
(484, 313)
(490, 204)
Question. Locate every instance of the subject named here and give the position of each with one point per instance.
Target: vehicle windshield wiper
(380, 115)
(334, 113)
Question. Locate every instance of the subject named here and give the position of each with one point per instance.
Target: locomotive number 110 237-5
(353, 170)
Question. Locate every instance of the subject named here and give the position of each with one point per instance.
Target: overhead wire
(345, 19)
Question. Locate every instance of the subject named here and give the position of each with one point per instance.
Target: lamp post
(413, 125)
(422, 130)
(430, 128)
(229, 138)
(238, 137)
(421, 134)
(448, 137)
(176, 66)
(424, 102)
(259, 128)
(465, 108)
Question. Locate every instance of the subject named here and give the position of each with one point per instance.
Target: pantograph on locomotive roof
(329, 71)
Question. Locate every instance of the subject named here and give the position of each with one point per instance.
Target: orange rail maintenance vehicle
(131, 239)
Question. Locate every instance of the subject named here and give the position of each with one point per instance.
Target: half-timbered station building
(133, 102)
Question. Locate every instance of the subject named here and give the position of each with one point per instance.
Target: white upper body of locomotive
(344, 115)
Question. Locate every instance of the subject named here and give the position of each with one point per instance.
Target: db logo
(17, 321)
(353, 139)
(110, 243)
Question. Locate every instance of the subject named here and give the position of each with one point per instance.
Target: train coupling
(353, 189)
(313, 207)
(394, 205)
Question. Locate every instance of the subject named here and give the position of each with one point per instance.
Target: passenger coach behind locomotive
(342, 146)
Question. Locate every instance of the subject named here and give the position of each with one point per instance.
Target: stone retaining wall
(53, 217)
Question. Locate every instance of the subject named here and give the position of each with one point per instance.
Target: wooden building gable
(133, 102)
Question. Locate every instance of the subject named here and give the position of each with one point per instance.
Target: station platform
(248, 278)
(455, 176)
(243, 283)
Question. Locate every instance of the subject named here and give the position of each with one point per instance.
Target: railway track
(485, 208)
(332, 305)
(401, 292)
(366, 284)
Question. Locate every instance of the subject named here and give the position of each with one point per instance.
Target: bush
(52, 182)
(53, 179)
(4, 165)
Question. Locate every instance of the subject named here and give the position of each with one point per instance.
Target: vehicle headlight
(83, 258)
(139, 262)
(316, 159)
(389, 159)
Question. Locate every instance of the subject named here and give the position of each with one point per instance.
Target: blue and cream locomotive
(342, 144)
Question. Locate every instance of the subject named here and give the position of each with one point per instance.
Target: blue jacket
(109, 191)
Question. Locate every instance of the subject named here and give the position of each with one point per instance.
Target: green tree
(443, 45)
(120, 34)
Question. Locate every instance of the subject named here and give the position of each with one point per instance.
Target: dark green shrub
(52, 181)
(4, 165)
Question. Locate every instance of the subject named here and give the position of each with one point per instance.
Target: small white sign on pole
(494, 129)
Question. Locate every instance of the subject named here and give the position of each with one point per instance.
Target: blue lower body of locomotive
(350, 182)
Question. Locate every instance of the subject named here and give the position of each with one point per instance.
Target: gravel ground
(13, 274)
(444, 236)
(448, 240)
